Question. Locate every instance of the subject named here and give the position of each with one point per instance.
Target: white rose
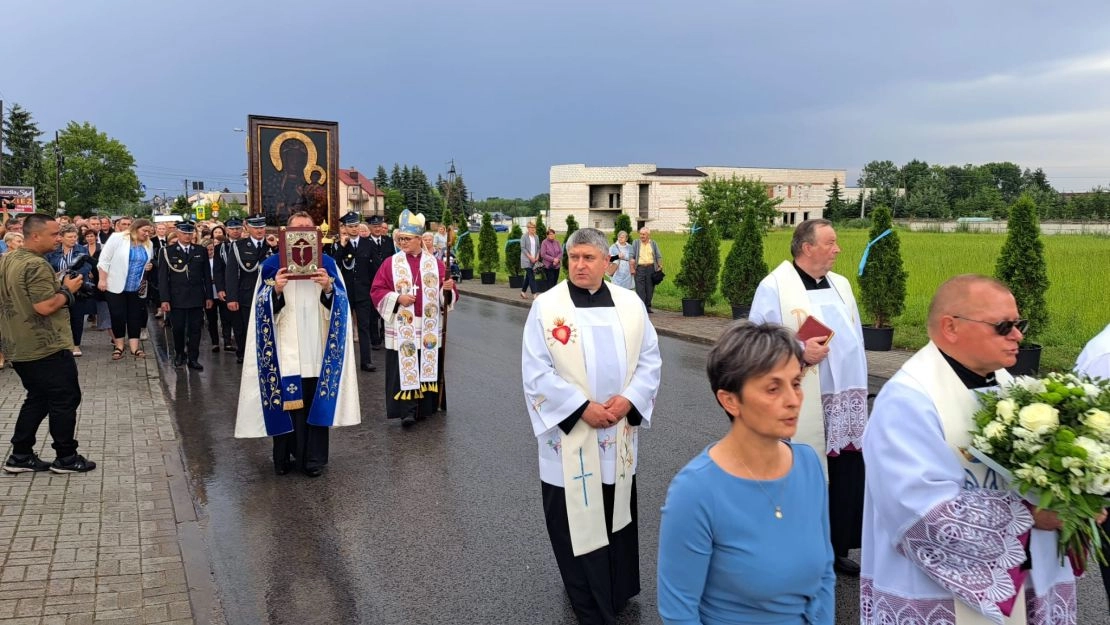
(1095, 449)
(1101, 484)
(982, 444)
(1033, 385)
(1097, 420)
(1039, 418)
(1091, 390)
(994, 430)
(1006, 409)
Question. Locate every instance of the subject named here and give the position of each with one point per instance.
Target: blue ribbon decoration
(458, 239)
(867, 250)
(277, 389)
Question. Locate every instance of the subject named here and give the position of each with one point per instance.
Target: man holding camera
(34, 326)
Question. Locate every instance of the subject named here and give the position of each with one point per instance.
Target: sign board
(22, 197)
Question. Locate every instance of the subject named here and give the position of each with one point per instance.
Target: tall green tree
(623, 223)
(836, 208)
(880, 175)
(541, 228)
(99, 172)
(22, 150)
(572, 225)
(701, 257)
(927, 201)
(1021, 265)
(744, 266)
(394, 205)
(725, 199)
(512, 251)
(488, 257)
(883, 283)
(913, 173)
(381, 179)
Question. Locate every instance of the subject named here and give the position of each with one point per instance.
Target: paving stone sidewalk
(103, 547)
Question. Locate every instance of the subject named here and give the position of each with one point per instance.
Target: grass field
(1078, 271)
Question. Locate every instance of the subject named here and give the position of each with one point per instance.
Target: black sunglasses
(1002, 328)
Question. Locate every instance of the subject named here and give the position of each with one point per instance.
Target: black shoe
(283, 468)
(846, 566)
(408, 421)
(195, 366)
(73, 464)
(377, 347)
(25, 463)
(312, 471)
(179, 361)
(239, 359)
(369, 367)
(215, 348)
(228, 347)
(650, 310)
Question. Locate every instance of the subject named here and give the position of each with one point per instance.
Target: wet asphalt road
(441, 523)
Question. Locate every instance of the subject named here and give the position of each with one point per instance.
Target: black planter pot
(515, 282)
(741, 312)
(467, 274)
(877, 339)
(489, 277)
(693, 307)
(1028, 360)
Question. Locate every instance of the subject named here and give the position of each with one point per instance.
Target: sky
(508, 88)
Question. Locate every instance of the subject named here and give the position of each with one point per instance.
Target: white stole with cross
(795, 307)
(580, 457)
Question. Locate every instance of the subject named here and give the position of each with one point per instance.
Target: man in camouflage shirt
(34, 326)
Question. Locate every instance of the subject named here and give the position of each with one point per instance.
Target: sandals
(117, 353)
(139, 353)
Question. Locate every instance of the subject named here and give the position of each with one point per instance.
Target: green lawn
(1078, 271)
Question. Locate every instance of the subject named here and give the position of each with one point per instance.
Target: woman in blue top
(744, 536)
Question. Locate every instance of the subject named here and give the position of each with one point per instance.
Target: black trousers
(1105, 570)
(601, 582)
(212, 322)
(645, 288)
(377, 327)
(307, 445)
(128, 312)
(401, 408)
(846, 488)
(363, 311)
(241, 319)
(77, 314)
(53, 391)
(186, 325)
(530, 281)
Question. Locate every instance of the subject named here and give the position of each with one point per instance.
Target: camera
(455, 272)
(88, 287)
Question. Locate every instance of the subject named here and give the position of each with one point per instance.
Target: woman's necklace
(759, 483)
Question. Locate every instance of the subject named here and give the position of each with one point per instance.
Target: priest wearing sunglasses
(943, 540)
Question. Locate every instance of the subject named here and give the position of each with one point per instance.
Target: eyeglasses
(1002, 328)
(404, 239)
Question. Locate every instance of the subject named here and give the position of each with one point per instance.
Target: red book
(812, 327)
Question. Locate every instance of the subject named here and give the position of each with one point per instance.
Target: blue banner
(867, 250)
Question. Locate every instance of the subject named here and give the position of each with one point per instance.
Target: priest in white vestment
(297, 379)
(944, 540)
(591, 365)
(1094, 361)
(834, 413)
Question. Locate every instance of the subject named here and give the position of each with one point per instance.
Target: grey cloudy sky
(508, 88)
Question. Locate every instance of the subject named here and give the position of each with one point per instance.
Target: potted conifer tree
(744, 266)
(512, 258)
(701, 261)
(465, 244)
(488, 258)
(883, 283)
(572, 225)
(1021, 266)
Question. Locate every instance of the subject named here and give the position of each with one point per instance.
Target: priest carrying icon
(591, 367)
(297, 380)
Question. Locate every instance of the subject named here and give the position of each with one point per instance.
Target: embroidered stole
(794, 308)
(417, 335)
(580, 456)
(929, 369)
(279, 367)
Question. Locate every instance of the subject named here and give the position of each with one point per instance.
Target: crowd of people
(755, 528)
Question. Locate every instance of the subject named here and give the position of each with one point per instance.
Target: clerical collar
(811, 283)
(582, 298)
(969, 377)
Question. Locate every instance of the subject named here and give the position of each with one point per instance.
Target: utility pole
(1, 141)
(57, 171)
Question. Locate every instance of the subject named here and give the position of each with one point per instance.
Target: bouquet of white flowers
(1051, 439)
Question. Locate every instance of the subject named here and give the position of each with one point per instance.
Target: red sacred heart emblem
(561, 332)
(302, 252)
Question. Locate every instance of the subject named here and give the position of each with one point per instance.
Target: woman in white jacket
(123, 265)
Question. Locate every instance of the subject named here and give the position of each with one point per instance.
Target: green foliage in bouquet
(1053, 435)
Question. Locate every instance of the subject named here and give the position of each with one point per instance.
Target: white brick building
(656, 197)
